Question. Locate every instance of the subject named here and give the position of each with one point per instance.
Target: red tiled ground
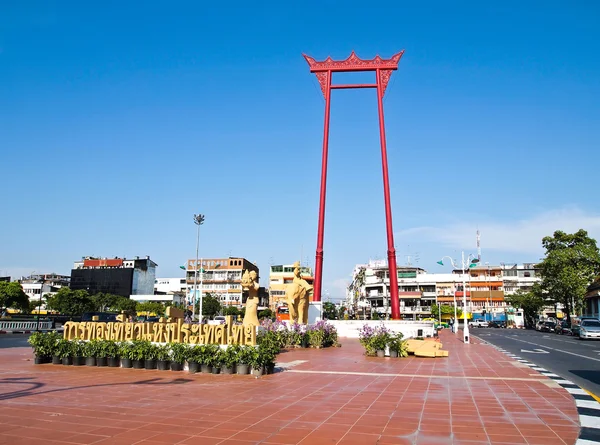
(338, 396)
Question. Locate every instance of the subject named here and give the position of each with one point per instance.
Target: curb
(588, 407)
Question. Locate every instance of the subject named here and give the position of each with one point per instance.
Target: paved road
(13, 340)
(571, 358)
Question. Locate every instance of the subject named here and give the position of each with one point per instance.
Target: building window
(276, 268)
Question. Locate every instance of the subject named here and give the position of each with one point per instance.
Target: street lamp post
(198, 220)
(465, 265)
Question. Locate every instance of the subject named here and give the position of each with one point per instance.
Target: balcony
(415, 309)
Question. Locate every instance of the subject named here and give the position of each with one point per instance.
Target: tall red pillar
(383, 70)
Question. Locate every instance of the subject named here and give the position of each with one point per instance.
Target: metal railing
(19, 326)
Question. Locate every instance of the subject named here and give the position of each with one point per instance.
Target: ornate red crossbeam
(383, 71)
(383, 67)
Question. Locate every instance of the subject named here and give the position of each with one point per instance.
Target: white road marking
(535, 351)
(577, 391)
(559, 350)
(587, 404)
(589, 421)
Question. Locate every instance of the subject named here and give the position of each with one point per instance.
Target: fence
(22, 326)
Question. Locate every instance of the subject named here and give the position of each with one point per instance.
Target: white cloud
(519, 236)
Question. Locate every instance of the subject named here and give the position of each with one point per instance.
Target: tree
(531, 302)
(231, 310)
(266, 313)
(329, 311)
(127, 305)
(571, 263)
(105, 302)
(70, 302)
(446, 310)
(12, 296)
(211, 306)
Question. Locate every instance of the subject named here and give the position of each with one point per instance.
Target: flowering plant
(374, 339)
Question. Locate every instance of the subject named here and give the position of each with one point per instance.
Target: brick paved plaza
(326, 396)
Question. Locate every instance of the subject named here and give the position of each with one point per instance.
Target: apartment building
(418, 290)
(118, 276)
(37, 285)
(221, 277)
(280, 277)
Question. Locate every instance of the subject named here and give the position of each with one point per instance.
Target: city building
(165, 286)
(219, 277)
(116, 276)
(418, 290)
(37, 285)
(592, 299)
(280, 278)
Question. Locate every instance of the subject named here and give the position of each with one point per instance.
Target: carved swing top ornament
(383, 67)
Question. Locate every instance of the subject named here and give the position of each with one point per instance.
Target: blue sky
(118, 123)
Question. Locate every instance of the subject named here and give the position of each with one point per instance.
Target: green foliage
(531, 302)
(65, 348)
(151, 307)
(329, 311)
(163, 352)
(90, 348)
(231, 356)
(127, 350)
(246, 355)
(180, 352)
(44, 344)
(267, 313)
(211, 306)
(446, 310)
(70, 302)
(396, 343)
(12, 296)
(139, 349)
(231, 310)
(571, 263)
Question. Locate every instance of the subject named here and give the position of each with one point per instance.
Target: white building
(418, 290)
(38, 285)
(163, 286)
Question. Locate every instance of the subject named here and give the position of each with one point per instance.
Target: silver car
(589, 329)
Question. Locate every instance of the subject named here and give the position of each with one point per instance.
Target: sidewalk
(327, 396)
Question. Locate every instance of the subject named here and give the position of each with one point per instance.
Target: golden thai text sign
(176, 332)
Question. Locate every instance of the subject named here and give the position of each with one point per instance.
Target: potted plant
(163, 355)
(138, 353)
(126, 352)
(206, 364)
(53, 338)
(195, 357)
(150, 356)
(102, 352)
(112, 354)
(78, 358)
(39, 343)
(90, 349)
(179, 354)
(65, 351)
(255, 364)
(397, 345)
(230, 359)
(245, 357)
(216, 360)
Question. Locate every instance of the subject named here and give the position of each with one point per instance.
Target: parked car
(497, 324)
(548, 326)
(563, 328)
(589, 328)
(576, 321)
(539, 324)
(478, 324)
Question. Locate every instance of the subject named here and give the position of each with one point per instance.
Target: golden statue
(250, 284)
(297, 296)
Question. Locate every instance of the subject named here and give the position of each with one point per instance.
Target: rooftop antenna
(478, 246)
